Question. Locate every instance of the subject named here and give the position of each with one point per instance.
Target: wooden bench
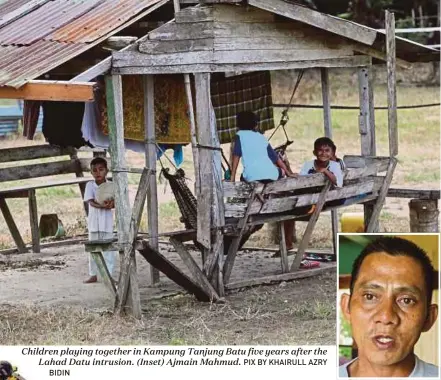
(73, 164)
(249, 204)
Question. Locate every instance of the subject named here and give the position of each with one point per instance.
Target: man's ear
(344, 305)
(432, 314)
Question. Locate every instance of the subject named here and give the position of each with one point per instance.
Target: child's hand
(292, 175)
(109, 204)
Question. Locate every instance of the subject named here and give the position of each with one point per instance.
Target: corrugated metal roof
(59, 30)
(11, 5)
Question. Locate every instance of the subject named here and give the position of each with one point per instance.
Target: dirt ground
(46, 291)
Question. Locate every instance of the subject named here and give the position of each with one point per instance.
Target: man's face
(388, 308)
(323, 153)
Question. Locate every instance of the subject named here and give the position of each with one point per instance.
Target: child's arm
(237, 154)
(107, 204)
(275, 158)
(234, 166)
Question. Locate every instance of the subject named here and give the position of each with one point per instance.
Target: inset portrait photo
(387, 311)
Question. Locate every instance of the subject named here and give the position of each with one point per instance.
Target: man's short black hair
(247, 120)
(99, 161)
(324, 141)
(396, 246)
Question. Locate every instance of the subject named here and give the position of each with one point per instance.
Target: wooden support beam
(119, 42)
(282, 247)
(366, 127)
(33, 216)
(51, 90)
(12, 226)
(150, 162)
(328, 133)
(101, 265)
(373, 223)
(122, 205)
(310, 227)
(205, 172)
(391, 84)
(197, 273)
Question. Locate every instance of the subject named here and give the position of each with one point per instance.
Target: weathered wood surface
(413, 193)
(223, 13)
(365, 119)
(41, 170)
(280, 277)
(391, 84)
(122, 205)
(22, 191)
(205, 172)
(381, 163)
(106, 277)
(150, 161)
(126, 66)
(119, 42)
(12, 226)
(173, 273)
(288, 203)
(33, 218)
(320, 20)
(51, 90)
(310, 228)
(367, 50)
(33, 152)
(234, 246)
(282, 248)
(423, 215)
(197, 273)
(373, 222)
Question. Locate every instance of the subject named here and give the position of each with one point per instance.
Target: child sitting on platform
(260, 161)
(100, 219)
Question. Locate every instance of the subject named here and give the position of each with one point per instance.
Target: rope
(284, 119)
(165, 155)
(354, 107)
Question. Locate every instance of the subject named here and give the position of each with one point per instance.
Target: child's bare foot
(90, 280)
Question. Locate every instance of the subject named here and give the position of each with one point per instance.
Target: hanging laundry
(178, 152)
(62, 123)
(247, 92)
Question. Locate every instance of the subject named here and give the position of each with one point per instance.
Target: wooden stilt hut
(233, 36)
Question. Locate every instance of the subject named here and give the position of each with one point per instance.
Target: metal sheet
(101, 20)
(11, 5)
(44, 20)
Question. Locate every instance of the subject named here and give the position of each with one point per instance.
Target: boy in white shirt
(100, 219)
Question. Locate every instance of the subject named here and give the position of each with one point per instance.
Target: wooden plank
(162, 47)
(367, 50)
(413, 193)
(355, 161)
(173, 272)
(122, 205)
(150, 162)
(33, 152)
(205, 172)
(373, 223)
(40, 170)
(119, 42)
(135, 58)
(365, 118)
(61, 243)
(241, 189)
(282, 248)
(311, 17)
(391, 84)
(280, 277)
(197, 273)
(310, 228)
(100, 68)
(234, 246)
(124, 66)
(33, 217)
(104, 271)
(51, 90)
(21, 191)
(328, 133)
(12, 226)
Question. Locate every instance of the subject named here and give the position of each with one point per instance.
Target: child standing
(100, 219)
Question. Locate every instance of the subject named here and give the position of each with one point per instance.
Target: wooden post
(423, 215)
(205, 172)
(120, 179)
(366, 127)
(328, 133)
(150, 163)
(33, 216)
(21, 246)
(282, 247)
(391, 84)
